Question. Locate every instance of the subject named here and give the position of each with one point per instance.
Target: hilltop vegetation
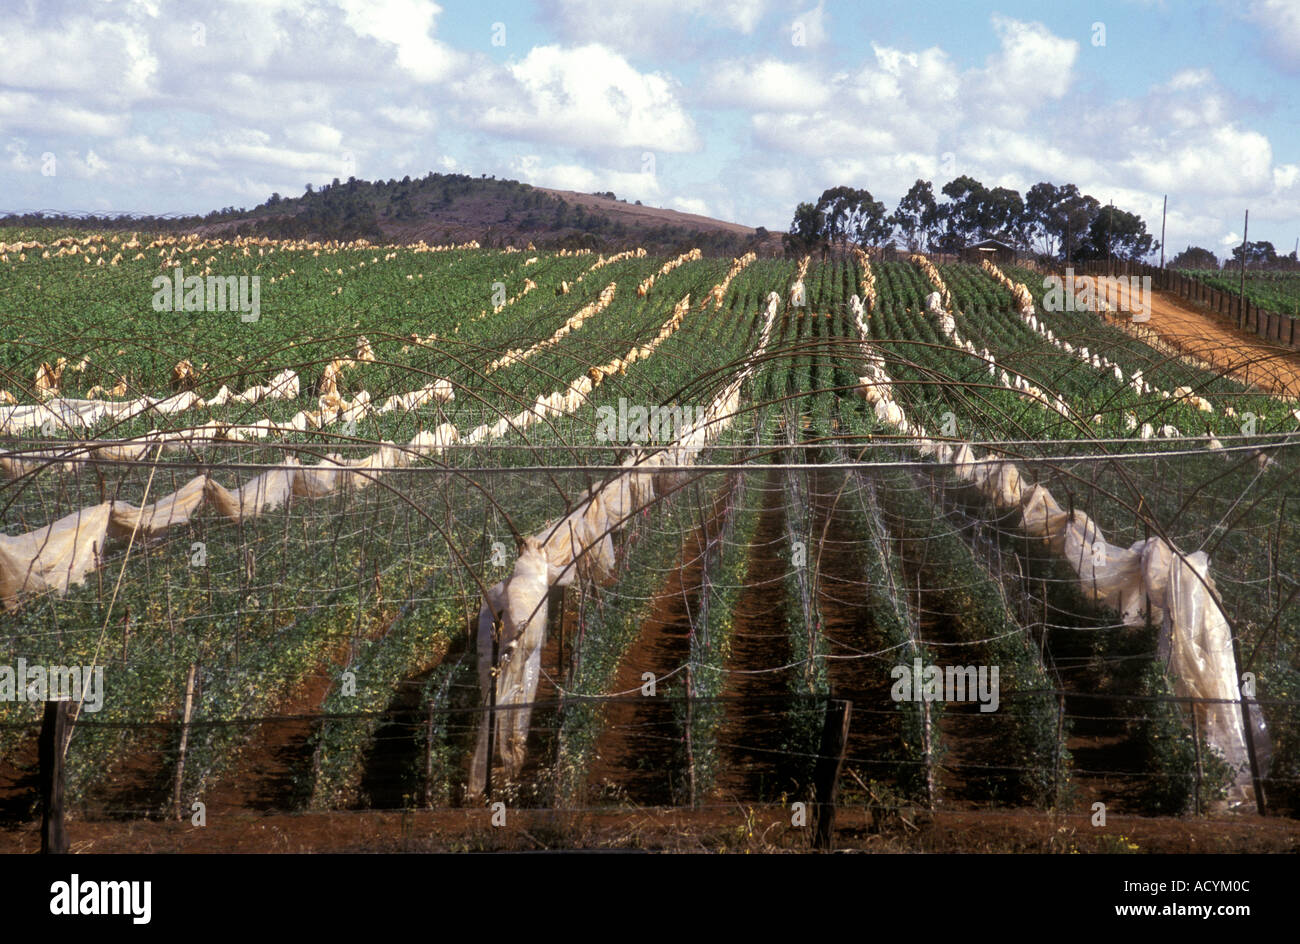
(441, 208)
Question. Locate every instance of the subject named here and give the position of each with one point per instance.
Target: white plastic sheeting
(519, 604)
(571, 324)
(1099, 362)
(60, 415)
(1176, 588)
(581, 539)
(54, 557)
(59, 556)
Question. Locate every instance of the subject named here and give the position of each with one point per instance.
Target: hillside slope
(443, 208)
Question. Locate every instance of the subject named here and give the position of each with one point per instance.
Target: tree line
(1057, 222)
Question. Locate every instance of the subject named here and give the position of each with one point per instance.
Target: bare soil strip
(1108, 762)
(1208, 337)
(758, 828)
(639, 753)
(968, 741)
(752, 735)
(849, 627)
(19, 781)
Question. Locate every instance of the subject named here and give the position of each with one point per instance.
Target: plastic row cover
(32, 564)
(572, 323)
(581, 539)
(1176, 588)
(61, 554)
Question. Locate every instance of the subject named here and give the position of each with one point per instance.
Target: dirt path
(850, 630)
(754, 829)
(20, 779)
(272, 768)
(638, 754)
(753, 728)
(1108, 762)
(1210, 339)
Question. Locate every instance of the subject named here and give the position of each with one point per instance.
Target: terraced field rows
(799, 547)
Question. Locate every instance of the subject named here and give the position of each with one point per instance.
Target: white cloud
(690, 205)
(409, 117)
(743, 15)
(822, 134)
(1032, 66)
(1279, 22)
(630, 185)
(1222, 160)
(408, 25)
(140, 151)
(93, 58)
(316, 135)
(1187, 79)
(590, 97)
(809, 28)
(768, 85)
(92, 165)
(32, 112)
(675, 29)
(256, 148)
(19, 159)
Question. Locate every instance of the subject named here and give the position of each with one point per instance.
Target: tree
(975, 212)
(871, 227)
(1258, 255)
(1058, 217)
(807, 230)
(1194, 257)
(962, 212)
(1002, 216)
(852, 214)
(1117, 233)
(1042, 217)
(917, 216)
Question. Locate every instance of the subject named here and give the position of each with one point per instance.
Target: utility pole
(1110, 250)
(1164, 215)
(1245, 241)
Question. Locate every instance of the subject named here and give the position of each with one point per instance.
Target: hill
(443, 208)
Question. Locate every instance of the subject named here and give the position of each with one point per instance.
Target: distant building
(996, 251)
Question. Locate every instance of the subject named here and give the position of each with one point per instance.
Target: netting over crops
(619, 527)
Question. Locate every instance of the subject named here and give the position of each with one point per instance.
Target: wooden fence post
(1060, 737)
(1196, 744)
(492, 705)
(53, 740)
(428, 757)
(185, 739)
(830, 760)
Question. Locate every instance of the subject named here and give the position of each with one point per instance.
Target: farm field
(681, 508)
(1273, 291)
(1221, 346)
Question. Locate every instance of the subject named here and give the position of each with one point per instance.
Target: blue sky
(734, 108)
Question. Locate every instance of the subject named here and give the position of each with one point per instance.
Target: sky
(737, 109)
